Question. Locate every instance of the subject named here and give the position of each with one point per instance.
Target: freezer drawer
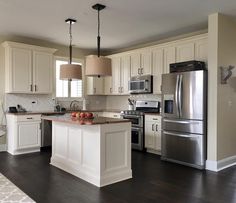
(183, 148)
(186, 126)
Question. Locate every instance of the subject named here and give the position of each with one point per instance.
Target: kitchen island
(96, 150)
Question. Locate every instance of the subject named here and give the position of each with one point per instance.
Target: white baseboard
(3, 147)
(221, 164)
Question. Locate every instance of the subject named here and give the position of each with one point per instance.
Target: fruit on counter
(73, 114)
(82, 115)
(77, 114)
(88, 115)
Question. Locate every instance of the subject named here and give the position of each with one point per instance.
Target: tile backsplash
(42, 102)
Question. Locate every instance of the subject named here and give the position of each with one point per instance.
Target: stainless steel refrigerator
(184, 117)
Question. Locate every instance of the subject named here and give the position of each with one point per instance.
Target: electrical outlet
(34, 102)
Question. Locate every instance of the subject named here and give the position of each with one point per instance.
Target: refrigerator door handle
(177, 95)
(180, 94)
(180, 135)
(181, 122)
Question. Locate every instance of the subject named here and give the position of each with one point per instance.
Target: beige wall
(226, 120)
(221, 97)
(212, 87)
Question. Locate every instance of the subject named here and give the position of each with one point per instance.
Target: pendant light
(70, 71)
(97, 66)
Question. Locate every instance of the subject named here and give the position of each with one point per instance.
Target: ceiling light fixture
(70, 71)
(98, 65)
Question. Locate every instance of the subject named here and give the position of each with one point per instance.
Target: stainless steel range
(137, 119)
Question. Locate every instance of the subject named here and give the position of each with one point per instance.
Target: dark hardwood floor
(153, 181)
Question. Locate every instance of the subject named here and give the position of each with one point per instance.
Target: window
(63, 87)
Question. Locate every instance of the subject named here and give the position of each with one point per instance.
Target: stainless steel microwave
(141, 84)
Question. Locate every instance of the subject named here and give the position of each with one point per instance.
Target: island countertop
(84, 121)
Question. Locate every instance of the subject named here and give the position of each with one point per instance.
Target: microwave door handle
(177, 95)
(146, 85)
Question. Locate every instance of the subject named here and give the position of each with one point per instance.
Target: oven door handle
(137, 129)
(129, 116)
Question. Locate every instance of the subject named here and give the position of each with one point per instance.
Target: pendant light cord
(70, 47)
(98, 37)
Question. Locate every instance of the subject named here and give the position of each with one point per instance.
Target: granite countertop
(63, 112)
(85, 121)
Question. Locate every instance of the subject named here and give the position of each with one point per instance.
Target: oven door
(137, 138)
(137, 121)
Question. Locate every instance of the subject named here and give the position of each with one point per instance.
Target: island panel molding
(99, 154)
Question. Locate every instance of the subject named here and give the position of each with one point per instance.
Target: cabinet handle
(139, 71)
(110, 90)
(157, 128)
(121, 88)
(31, 88)
(29, 118)
(35, 88)
(115, 116)
(94, 90)
(155, 119)
(152, 127)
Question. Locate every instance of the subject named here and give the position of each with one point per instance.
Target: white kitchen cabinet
(24, 133)
(141, 62)
(125, 74)
(157, 68)
(108, 85)
(95, 86)
(169, 57)
(185, 51)
(28, 68)
(120, 74)
(153, 133)
(116, 65)
(201, 50)
(42, 72)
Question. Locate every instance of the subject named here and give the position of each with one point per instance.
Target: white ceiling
(124, 23)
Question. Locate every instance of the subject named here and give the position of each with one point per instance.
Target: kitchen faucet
(74, 105)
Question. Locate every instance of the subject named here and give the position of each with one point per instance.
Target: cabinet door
(21, 70)
(29, 135)
(149, 135)
(116, 86)
(108, 85)
(169, 57)
(158, 136)
(185, 52)
(201, 50)
(157, 61)
(135, 64)
(95, 86)
(125, 74)
(146, 62)
(42, 72)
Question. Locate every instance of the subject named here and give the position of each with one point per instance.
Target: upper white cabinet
(141, 62)
(169, 57)
(108, 85)
(95, 86)
(157, 69)
(201, 50)
(185, 52)
(28, 68)
(120, 74)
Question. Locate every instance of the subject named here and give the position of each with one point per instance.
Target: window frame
(69, 98)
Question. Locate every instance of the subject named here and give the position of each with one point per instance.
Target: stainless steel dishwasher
(46, 133)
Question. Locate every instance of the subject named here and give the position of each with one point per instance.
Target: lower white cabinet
(24, 133)
(111, 114)
(153, 133)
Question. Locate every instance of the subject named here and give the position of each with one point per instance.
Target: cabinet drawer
(28, 118)
(153, 118)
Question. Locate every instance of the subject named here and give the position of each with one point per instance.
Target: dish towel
(2, 120)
